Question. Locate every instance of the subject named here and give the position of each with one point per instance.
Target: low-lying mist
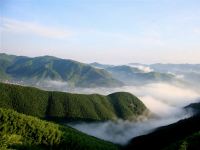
(121, 131)
(166, 101)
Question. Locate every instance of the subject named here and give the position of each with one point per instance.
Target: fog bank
(164, 100)
(121, 131)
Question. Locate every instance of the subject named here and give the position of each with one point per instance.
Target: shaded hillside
(67, 106)
(19, 131)
(38, 69)
(195, 107)
(183, 135)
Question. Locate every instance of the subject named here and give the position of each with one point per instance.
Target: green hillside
(38, 69)
(126, 105)
(5, 62)
(19, 131)
(67, 106)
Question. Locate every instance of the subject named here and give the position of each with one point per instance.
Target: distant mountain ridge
(46, 71)
(131, 75)
(176, 67)
(189, 73)
(42, 68)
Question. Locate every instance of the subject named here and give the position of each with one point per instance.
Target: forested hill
(68, 106)
(22, 132)
(37, 69)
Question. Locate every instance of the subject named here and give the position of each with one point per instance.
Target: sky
(105, 31)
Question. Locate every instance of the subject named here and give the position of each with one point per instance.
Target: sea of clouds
(166, 101)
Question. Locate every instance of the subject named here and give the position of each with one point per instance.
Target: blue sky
(106, 31)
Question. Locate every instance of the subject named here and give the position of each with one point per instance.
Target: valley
(147, 102)
(99, 75)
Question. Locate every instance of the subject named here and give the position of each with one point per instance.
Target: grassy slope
(52, 68)
(20, 131)
(60, 105)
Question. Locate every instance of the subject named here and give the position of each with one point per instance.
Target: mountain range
(38, 69)
(190, 73)
(134, 73)
(44, 70)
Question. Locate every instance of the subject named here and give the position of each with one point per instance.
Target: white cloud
(23, 27)
(164, 100)
(161, 98)
(121, 131)
(145, 69)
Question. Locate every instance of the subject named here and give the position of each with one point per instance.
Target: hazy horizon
(103, 63)
(111, 32)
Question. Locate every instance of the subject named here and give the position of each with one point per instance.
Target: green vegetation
(67, 106)
(33, 70)
(5, 61)
(189, 143)
(19, 131)
(126, 105)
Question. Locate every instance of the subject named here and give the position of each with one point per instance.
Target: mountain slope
(20, 131)
(194, 107)
(67, 106)
(38, 69)
(5, 61)
(184, 134)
